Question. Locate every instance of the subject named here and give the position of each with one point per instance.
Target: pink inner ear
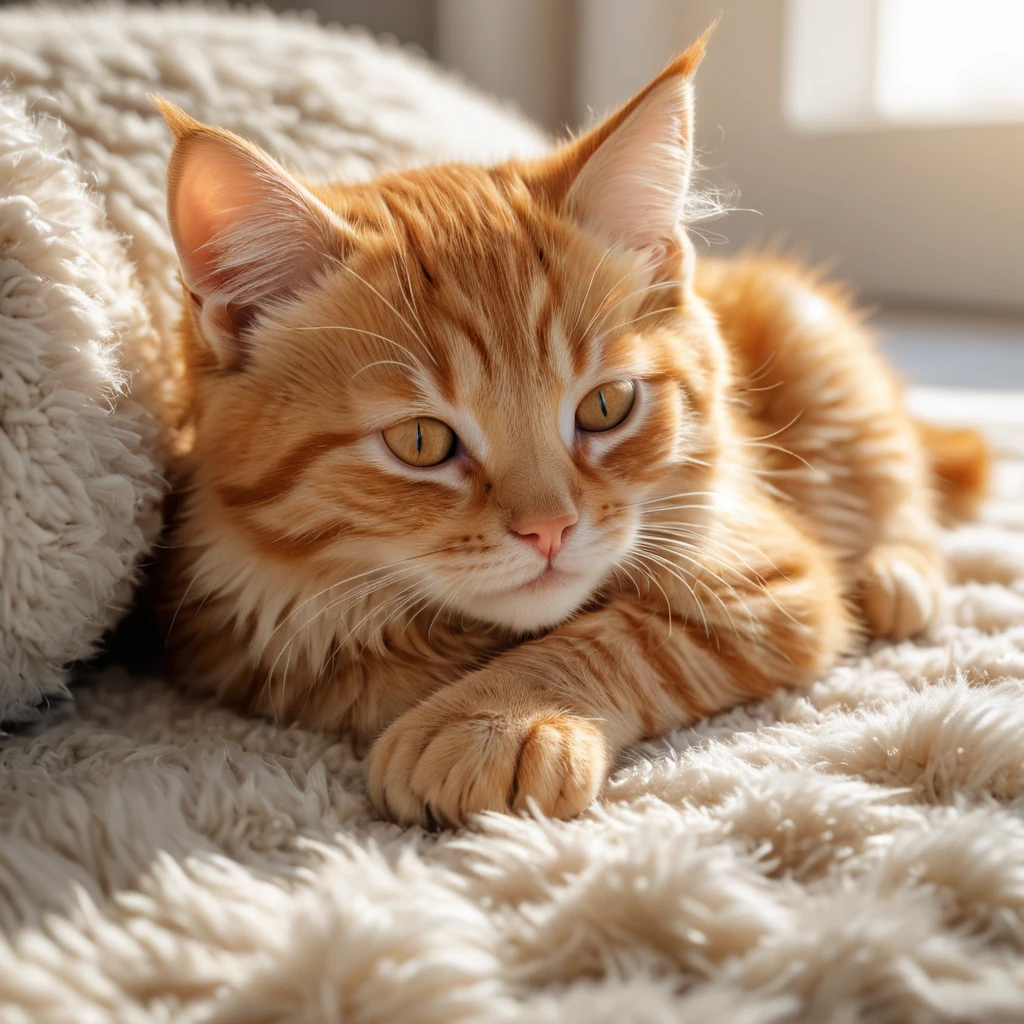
(633, 188)
(214, 192)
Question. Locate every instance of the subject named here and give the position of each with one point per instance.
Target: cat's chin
(537, 604)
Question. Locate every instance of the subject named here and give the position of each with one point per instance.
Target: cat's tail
(961, 462)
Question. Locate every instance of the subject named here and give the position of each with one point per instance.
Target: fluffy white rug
(853, 854)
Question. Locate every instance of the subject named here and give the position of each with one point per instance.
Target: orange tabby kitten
(486, 470)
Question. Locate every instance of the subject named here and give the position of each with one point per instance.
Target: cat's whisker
(674, 508)
(681, 531)
(441, 606)
(785, 451)
(709, 632)
(763, 368)
(709, 555)
(672, 497)
(283, 691)
(767, 387)
(170, 629)
(668, 556)
(331, 605)
(685, 530)
(621, 566)
(600, 307)
(370, 334)
(349, 597)
(403, 607)
(410, 299)
(586, 294)
(605, 313)
(320, 593)
(419, 337)
(357, 576)
(646, 550)
(377, 610)
(643, 316)
(668, 603)
(380, 362)
(775, 433)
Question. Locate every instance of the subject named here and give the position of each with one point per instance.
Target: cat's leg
(834, 435)
(544, 720)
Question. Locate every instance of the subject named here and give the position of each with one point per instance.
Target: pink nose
(546, 535)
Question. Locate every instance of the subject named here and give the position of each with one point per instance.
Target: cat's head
(463, 379)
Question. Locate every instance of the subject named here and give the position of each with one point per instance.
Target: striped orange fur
(500, 625)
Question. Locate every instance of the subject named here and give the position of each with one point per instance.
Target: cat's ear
(628, 178)
(246, 231)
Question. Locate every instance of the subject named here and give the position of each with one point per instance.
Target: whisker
(648, 551)
(369, 334)
(380, 362)
(643, 316)
(775, 433)
(586, 294)
(672, 497)
(636, 293)
(785, 451)
(410, 298)
(347, 597)
(357, 576)
(704, 550)
(763, 368)
(174, 618)
(668, 603)
(344, 266)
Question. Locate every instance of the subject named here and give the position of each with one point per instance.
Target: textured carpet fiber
(855, 853)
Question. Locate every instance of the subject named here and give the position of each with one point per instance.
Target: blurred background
(884, 138)
(881, 138)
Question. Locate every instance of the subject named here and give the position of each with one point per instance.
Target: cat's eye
(605, 407)
(421, 442)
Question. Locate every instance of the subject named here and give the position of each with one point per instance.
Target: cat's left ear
(628, 178)
(248, 234)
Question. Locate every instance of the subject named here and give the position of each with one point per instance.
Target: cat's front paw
(436, 765)
(900, 587)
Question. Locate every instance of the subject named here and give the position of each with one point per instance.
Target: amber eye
(605, 407)
(421, 442)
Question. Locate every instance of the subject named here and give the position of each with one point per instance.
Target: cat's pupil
(419, 438)
(604, 404)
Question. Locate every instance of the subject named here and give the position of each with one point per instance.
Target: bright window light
(877, 63)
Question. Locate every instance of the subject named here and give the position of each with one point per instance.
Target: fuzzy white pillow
(79, 487)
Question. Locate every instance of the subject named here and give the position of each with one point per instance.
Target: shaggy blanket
(79, 479)
(855, 853)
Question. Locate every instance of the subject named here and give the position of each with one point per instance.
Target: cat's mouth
(548, 578)
(538, 602)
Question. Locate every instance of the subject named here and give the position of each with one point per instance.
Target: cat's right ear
(628, 178)
(247, 233)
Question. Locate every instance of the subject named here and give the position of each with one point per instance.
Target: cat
(486, 470)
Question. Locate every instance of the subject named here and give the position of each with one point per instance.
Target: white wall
(928, 215)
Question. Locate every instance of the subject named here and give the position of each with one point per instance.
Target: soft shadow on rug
(855, 853)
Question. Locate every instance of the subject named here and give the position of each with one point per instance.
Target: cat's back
(773, 311)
